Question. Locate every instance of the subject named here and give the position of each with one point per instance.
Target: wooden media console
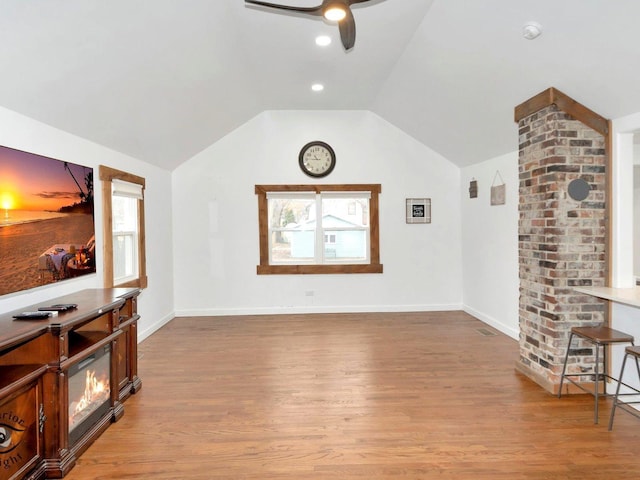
(63, 380)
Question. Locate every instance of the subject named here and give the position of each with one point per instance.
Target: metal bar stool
(617, 403)
(601, 337)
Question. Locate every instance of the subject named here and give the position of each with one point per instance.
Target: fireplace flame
(94, 389)
(96, 392)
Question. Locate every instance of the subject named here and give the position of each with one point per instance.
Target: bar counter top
(625, 296)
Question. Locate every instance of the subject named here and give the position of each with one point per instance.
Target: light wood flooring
(351, 396)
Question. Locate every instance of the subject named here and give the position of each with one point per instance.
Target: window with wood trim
(123, 225)
(317, 229)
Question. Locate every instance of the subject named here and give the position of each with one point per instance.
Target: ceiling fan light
(335, 13)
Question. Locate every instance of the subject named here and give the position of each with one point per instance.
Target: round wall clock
(317, 159)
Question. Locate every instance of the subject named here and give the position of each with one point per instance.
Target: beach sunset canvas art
(46, 220)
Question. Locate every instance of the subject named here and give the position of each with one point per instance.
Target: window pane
(125, 260)
(292, 229)
(125, 238)
(345, 226)
(291, 212)
(345, 212)
(125, 214)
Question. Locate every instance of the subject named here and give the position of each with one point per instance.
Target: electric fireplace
(89, 392)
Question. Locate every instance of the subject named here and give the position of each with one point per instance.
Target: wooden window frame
(374, 265)
(108, 174)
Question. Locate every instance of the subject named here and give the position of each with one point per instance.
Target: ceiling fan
(333, 10)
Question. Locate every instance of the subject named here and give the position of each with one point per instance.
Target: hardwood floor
(351, 396)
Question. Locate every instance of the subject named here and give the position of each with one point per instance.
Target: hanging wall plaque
(418, 210)
(473, 188)
(498, 190)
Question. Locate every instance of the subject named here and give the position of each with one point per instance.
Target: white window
(125, 221)
(318, 229)
(123, 196)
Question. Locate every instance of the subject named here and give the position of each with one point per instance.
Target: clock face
(317, 159)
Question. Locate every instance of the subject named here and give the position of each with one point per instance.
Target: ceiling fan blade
(347, 28)
(351, 2)
(308, 10)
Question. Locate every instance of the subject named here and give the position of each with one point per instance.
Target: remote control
(32, 315)
(60, 307)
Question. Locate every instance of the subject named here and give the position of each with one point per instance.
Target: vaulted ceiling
(161, 80)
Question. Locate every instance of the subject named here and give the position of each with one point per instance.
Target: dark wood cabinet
(21, 421)
(63, 380)
(126, 349)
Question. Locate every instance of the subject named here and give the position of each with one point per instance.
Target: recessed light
(323, 40)
(317, 87)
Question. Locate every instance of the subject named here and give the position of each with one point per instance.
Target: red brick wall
(561, 241)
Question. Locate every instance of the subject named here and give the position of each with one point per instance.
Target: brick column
(561, 241)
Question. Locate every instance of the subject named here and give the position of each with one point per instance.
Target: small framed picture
(418, 210)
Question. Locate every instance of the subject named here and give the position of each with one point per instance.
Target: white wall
(215, 214)
(490, 245)
(156, 302)
(622, 233)
(624, 318)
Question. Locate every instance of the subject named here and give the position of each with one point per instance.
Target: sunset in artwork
(7, 201)
(32, 182)
(46, 216)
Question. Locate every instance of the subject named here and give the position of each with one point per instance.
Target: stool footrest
(630, 410)
(601, 378)
(602, 394)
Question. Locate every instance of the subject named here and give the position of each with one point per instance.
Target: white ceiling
(161, 80)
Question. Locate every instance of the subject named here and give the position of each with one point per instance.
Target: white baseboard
(507, 330)
(154, 327)
(216, 312)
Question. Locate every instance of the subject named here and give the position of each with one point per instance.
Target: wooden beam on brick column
(553, 96)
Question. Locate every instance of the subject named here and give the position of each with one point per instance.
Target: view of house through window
(296, 236)
(327, 228)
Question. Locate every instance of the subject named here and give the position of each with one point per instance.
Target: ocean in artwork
(16, 217)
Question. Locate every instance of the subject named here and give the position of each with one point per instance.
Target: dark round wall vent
(579, 189)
